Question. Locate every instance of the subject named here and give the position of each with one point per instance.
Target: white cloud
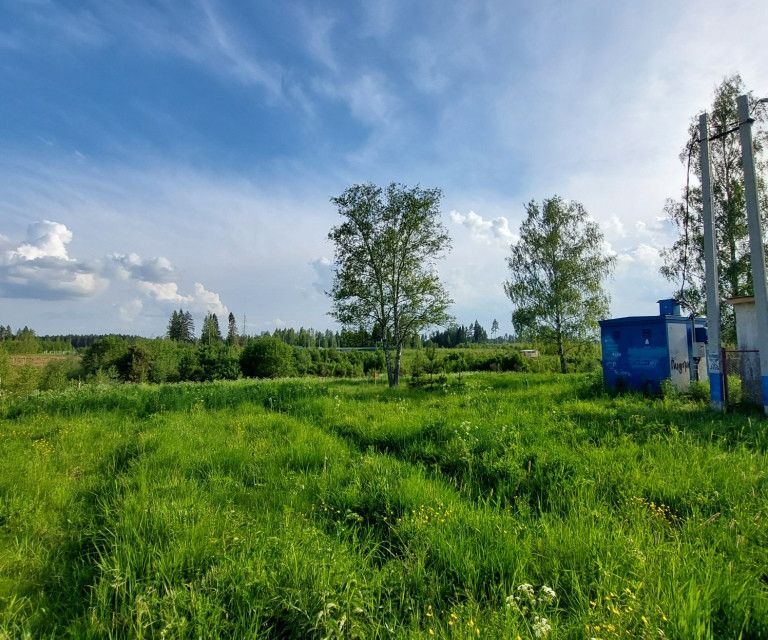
(209, 301)
(323, 268)
(369, 97)
(486, 230)
(131, 310)
(643, 255)
(161, 289)
(41, 268)
(45, 239)
(131, 265)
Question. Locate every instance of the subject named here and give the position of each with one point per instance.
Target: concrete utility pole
(714, 368)
(757, 253)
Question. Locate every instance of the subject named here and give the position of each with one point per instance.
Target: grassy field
(497, 505)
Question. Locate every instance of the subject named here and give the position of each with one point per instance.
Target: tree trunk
(561, 348)
(391, 379)
(398, 357)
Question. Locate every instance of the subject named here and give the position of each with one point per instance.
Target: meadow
(489, 505)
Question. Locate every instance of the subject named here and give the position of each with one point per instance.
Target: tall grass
(316, 509)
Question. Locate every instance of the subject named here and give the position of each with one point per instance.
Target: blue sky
(166, 154)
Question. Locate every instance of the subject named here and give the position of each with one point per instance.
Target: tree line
(386, 291)
(390, 239)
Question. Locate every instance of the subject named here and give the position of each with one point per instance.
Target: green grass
(317, 509)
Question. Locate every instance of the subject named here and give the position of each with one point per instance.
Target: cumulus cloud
(208, 300)
(487, 230)
(163, 291)
(41, 268)
(323, 268)
(131, 265)
(152, 277)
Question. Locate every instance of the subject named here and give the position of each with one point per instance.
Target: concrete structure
(639, 352)
(716, 386)
(748, 340)
(756, 242)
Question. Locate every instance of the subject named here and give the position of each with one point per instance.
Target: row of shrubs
(114, 358)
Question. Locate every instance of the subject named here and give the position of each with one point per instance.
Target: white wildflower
(526, 590)
(541, 627)
(547, 595)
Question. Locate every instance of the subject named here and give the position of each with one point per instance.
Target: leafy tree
(233, 339)
(557, 270)
(494, 327)
(218, 361)
(105, 355)
(683, 262)
(56, 374)
(385, 279)
(211, 332)
(267, 357)
(135, 365)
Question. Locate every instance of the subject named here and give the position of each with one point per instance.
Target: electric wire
(731, 128)
(686, 224)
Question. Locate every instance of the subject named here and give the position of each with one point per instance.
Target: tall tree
(478, 333)
(181, 327)
(683, 262)
(557, 270)
(188, 324)
(232, 336)
(210, 332)
(385, 279)
(494, 327)
(174, 326)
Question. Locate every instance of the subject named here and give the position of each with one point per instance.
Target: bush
(218, 361)
(267, 357)
(105, 354)
(57, 374)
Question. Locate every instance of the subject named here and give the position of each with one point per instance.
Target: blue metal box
(641, 351)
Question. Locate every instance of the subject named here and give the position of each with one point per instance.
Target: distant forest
(26, 340)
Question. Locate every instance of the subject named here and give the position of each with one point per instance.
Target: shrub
(104, 354)
(267, 357)
(218, 361)
(56, 374)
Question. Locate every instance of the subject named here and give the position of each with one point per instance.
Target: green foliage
(218, 361)
(233, 337)
(266, 357)
(58, 374)
(557, 269)
(313, 509)
(385, 253)
(181, 326)
(135, 365)
(211, 332)
(5, 367)
(19, 380)
(686, 255)
(105, 355)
